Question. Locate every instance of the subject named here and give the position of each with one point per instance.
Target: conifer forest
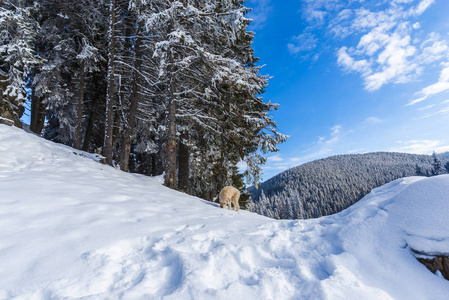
(158, 86)
(330, 185)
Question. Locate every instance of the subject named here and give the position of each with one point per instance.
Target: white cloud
(444, 111)
(260, 12)
(368, 20)
(386, 58)
(433, 49)
(441, 86)
(305, 42)
(413, 102)
(421, 146)
(347, 62)
(335, 130)
(356, 151)
(319, 149)
(388, 46)
(421, 7)
(275, 158)
(334, 136)
(426, 107)
(373, 120)
(317, 11)
(276, 163)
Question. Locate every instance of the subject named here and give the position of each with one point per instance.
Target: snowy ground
(72, 228)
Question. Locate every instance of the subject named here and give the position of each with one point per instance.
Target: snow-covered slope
(72, 228)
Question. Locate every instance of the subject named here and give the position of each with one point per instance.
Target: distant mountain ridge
(327, 186)
(444, 155)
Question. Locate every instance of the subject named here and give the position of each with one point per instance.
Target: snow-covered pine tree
(110, 93)
(207, 67)
(87, 22)
(70, 41)
(130, 119)
(419, 171)
(18, 30)
(437, 165)
(141, 106)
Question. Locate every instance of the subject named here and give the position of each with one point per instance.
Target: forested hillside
(444, 155)
(329, 185)
(156, 86)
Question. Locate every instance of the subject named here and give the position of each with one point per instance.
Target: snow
(72, 228)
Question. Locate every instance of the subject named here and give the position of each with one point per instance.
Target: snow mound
(72, 228)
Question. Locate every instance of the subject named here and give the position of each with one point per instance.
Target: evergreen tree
(109, 122)
(70, 40)
(419, 171)
(17, 56)
(437, 165)
(209, 84)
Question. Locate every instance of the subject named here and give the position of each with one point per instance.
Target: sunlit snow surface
(72, 228)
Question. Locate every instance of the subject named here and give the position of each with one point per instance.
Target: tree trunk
(116, 136)
(79, 110)
(183, 172)
(109, 123)
(89, 129)
(170, 156)
(37, 113)
(34, 111)
(126, 145)
(41, 117)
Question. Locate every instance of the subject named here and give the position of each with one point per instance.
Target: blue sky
(354, 76)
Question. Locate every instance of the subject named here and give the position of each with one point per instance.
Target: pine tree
(17, 56)
(211, 85)
(419, 171)
(437, 165)
(110, 94)
(69, 40)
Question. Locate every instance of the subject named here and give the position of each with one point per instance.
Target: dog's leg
(235, 201)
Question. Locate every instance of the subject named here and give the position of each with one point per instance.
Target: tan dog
(228, 195)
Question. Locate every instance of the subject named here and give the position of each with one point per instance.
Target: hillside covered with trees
(329, 185)
(155, 85)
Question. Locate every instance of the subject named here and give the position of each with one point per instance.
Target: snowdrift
(72, 228)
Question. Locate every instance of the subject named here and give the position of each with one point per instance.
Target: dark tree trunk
(79, 110)
(89, 129)
(126, 145)
(35, 104)
(116, 136)
(37, 113)
(109, 123)
(170, 155)
(183, 172)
